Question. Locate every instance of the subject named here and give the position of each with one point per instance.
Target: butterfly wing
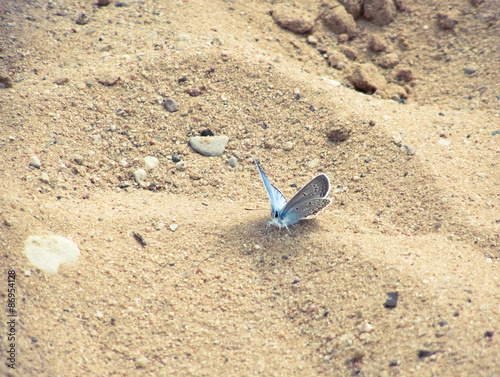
(310, 200)
(276, 198)
(307, 207)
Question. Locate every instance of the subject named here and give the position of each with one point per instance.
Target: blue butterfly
(310, 200)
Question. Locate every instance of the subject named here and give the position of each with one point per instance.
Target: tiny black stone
(206, 132)
(296, 281)
(422, 354)
(176, 157)
(488, 334)
(140, 239)
(392, 300)
(456, 314)
(443, 323)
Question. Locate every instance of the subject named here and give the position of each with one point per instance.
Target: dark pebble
(443, 323)
(206, 132)
(5, 82)
(422, 354)
(120, 4)
(488, 334)
(140, 239)
(193, 92)
(176, 157)
(470, 70)
(296, 281)
(392, 299)
(456, 314)
(495, 132)
(338, 133)
(82, 19)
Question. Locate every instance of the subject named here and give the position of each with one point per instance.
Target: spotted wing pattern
(308, 207)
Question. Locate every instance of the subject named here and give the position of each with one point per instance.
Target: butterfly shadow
(253, 237)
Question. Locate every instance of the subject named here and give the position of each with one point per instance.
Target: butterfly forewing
(276, 198)
(317, 188)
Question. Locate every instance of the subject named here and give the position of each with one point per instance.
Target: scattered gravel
(181, 165)
(78, 159)
(150, 162)
(139, 175)
(44, 177)
(232, 162)
(35, 162)
(170, 105)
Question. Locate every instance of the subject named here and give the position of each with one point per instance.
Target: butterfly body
(310, 200)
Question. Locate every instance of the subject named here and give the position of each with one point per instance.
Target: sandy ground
(415, 189)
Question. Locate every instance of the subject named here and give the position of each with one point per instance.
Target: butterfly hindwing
(276, 198)
(305, 207)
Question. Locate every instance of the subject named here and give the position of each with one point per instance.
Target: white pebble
(150, 162)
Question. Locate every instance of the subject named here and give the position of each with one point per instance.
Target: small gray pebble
(35, 162)
(159, 226)
(176, 157)
(170, 105)
(181, 165)
(174, 227)
(78, 159)
(233, 162)
(139, 175)
(470, 70)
